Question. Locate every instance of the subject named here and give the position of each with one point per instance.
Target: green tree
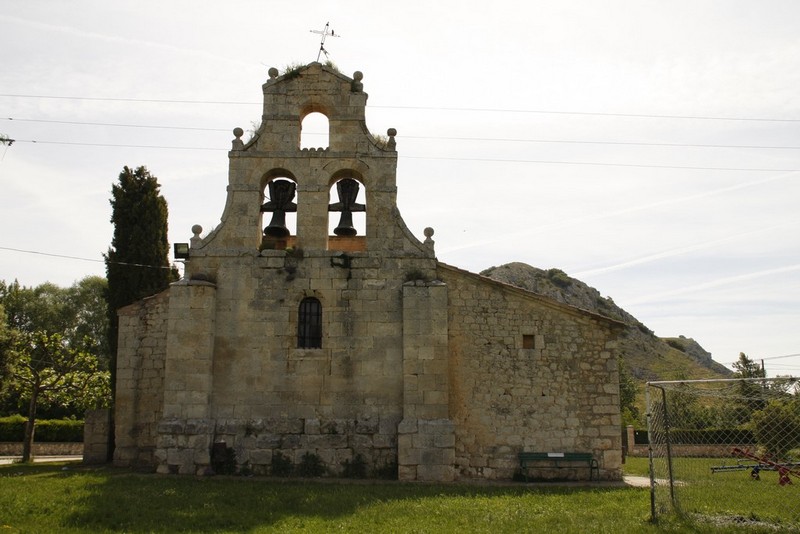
(6, 347)
(751, 392)
(45, 369)
(77, 314)
(627, 395)
(137, 264)
(777, 427)
(89, 310)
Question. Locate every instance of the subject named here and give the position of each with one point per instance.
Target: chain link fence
(726, 450)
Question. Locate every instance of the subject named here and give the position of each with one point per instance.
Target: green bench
(560, 460)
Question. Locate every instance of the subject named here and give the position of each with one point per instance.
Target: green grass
(735, 492)
(71, 498)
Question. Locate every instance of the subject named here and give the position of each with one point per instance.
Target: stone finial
(237, 144)
(273, 73)
(357, 86)
(196, 230)
(428, 235)
(392, 144)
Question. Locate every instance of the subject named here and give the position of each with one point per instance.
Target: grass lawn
(45, 498)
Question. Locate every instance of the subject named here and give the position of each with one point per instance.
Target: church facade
(311, 324)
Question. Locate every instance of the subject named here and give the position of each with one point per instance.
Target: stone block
(408, 456)
(407, 426)
(327, 441)
(435, 473)
(406, 473)
(170, 426)
(261, 456)
(312, 426)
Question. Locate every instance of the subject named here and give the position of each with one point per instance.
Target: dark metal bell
(348, 192)
(281, 193)
(345, 226)
(277, 226)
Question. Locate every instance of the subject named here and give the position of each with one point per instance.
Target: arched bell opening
(279, 201)
(348, 230)
(315, 131)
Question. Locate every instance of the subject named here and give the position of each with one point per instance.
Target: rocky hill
(647, 356)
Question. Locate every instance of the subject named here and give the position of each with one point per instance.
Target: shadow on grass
(110, 499)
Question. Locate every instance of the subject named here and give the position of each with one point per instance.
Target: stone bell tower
(271, 176)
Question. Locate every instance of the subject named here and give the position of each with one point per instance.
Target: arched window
(347, 198)
(314, 131)
(280, 200)
(309, 324)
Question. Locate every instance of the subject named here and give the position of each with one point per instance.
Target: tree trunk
(30, 425)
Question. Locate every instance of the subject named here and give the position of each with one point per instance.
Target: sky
(650, 149)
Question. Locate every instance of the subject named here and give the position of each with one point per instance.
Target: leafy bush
(281, 465)
(223, 459)
(310, 466)
(357, 468)
(559, 277)
(12, 429)
(387, 471)
(675, 344)
(777, 427)
(712, 436)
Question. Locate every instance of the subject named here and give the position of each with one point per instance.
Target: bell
(345, 226)
(281, 193)
(348, 191)
(277, 226)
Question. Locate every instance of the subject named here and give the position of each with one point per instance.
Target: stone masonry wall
(96, 428)
(267, 396)
(140, 379)
(560, 395)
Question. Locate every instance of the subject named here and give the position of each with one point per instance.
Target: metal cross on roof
(324, 33)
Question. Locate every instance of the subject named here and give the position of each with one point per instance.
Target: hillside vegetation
(646, 356)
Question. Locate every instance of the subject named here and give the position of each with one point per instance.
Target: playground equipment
(763, 463)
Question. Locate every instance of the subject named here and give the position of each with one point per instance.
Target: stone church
(311, 323)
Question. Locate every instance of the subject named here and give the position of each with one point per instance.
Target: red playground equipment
(784, 469)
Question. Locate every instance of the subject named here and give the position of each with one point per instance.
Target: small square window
(528, 341)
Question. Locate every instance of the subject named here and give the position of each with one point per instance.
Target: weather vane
(324, 33)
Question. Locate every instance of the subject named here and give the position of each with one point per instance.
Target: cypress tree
(137, 263)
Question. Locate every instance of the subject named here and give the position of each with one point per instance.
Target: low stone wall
(685, 450)
(184, 446)
(8, 448)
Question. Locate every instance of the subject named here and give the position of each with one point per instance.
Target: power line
(443, 138)
(147, 100)
(81, 123)
(779, 357)
(593, 113)
(37, 142)
(601, 164)
(423, 108)
(443, 158)
(84, 259)
(625, 143)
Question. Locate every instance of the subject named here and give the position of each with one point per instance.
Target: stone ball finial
(237, 144)
(273, 73)
(357, 86)
(197, 230)
(428, 235)
(392, 144)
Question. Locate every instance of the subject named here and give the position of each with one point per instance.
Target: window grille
(309, 324)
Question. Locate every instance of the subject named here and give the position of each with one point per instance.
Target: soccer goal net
(725, 450)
